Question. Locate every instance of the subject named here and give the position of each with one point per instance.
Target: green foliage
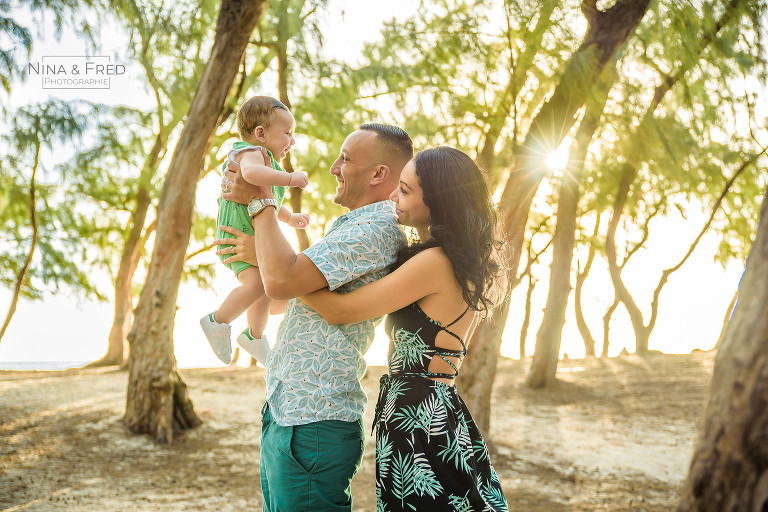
(686, 149)
(19, 36)
(115, 159)
(456, 69)
(468, 73)
(61, 249)
(325, 113)
(101, 178)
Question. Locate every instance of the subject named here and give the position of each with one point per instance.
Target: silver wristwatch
(258, 204)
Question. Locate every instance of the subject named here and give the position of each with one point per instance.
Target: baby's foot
(257, 347)
(219, 336)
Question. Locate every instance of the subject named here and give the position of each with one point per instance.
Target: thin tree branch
(28, 260)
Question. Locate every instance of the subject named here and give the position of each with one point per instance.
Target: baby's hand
(298, 179)
(298, 220)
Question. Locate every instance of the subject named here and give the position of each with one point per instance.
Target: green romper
(236, 215)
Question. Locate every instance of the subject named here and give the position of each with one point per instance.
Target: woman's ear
(381, 175)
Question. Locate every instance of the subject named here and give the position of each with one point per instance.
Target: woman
(429, 452)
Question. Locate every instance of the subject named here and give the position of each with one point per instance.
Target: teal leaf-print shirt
(314, 370)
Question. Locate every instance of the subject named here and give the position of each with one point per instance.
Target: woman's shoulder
(433, 258)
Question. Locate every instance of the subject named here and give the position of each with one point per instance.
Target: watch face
(255, 206)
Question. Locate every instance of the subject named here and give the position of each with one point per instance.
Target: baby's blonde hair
(256, 111)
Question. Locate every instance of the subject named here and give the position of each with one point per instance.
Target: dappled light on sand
(609, 434)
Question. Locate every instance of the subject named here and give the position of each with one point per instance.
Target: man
(312, 431)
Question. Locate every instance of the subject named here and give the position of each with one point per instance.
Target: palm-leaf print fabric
(430, 454)
(313, 372)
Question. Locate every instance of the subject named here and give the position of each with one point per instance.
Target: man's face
(354, 168)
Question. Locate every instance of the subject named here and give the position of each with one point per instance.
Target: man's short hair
(392, 137)
(257, 111)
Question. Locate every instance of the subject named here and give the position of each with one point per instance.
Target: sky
(64, 329)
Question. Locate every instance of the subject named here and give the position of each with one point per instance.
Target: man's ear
(381, 175)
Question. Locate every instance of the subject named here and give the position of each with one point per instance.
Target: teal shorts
(233, 215)
(309, 467)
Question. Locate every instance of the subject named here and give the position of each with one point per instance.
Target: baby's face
(278, 136)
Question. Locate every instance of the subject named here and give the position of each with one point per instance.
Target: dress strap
(460, 317)
(463, 345)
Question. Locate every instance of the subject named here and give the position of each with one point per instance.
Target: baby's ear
(258, 133)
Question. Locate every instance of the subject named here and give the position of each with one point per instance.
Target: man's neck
(366, 202)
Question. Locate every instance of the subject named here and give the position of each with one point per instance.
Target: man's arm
(285, 274)
(302, 274)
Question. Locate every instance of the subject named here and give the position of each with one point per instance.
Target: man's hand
(235, 188)
(298, 179)
(298, 220)
(240, 248)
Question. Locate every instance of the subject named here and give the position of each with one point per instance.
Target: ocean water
(41, 365)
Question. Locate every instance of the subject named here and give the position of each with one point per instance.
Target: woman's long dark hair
(462, 221)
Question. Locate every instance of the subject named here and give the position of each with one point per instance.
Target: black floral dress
(430, 454)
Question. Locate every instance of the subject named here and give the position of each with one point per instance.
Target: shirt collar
(386, 206)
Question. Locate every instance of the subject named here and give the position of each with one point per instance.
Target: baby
(262, 121)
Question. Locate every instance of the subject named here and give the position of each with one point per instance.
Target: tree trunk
(548, 339)
(533, 257)
(117, 346)
(726, 319)
(620, 289)
(607, 327)
(606, 32)
(476, 386)
(581, 278)
(527, 316)
(157, 400)
(713, 211)
(729, 468)
(643, 331)
(28, 260)
(547, 351)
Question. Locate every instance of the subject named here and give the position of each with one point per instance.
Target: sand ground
(613, 435)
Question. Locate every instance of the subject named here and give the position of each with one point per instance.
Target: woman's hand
(241, 248)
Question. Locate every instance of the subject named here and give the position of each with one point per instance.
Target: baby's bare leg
(258, 314)
(242, 297)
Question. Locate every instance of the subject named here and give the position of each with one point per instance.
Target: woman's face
(409, 199)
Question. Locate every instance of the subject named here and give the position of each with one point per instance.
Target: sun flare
(557, 160)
